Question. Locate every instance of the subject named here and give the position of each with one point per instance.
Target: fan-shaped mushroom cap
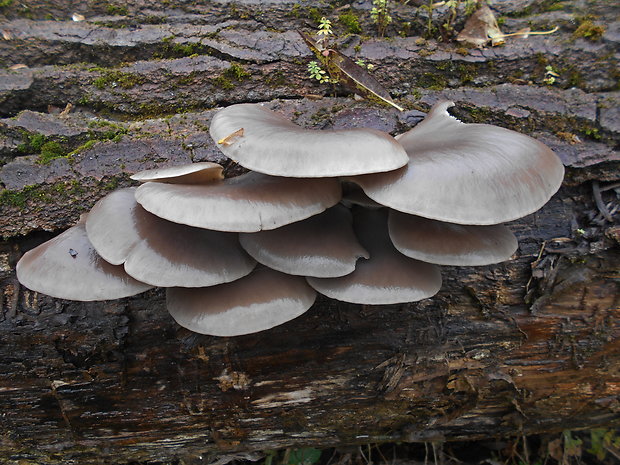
(191, 173)
(68, 267)
(159, 252)
(467, 173)
(442, 243)
(263, 299)
(247, 203)
(322, 246)
(266, 142)
(388, 277)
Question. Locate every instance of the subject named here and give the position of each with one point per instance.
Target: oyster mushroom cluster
(245, 254)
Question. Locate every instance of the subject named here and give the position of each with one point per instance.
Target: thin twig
(596, 190)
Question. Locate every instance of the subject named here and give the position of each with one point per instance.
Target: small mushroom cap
(323, 245)
(263, 299)
(162, 253)
(442, 243)
(68, 267)
(467, 173)
(247, 203)
(388, 277)
(266, 142)
(192, 173)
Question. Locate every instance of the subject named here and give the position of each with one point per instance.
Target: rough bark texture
(525, 346)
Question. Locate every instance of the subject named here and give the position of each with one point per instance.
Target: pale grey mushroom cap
(68, 267)
(323, 245)
(160, 252)
(443, 243)
(263, 299)
(266, 142)
(247, 203)
(467, 173)
(191, 173)
(387, 277)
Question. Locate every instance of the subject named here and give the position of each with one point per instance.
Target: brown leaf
(480, 27)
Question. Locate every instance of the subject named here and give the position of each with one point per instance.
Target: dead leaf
(230, 138)
(18, 66)
(6, 34)
(78, 17)
(67, 110)
(350, 74)
(480, 27)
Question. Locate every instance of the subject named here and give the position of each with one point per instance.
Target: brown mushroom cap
(247, 203)
(68, 267)
(192, 173)
(467, 173)
(159, 252)
(442, 243)
(266, 142)
(388, 277)
(263, 299)
(323, 245)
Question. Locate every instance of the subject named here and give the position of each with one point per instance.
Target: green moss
(351, 22)
(118, 78)
(295, 11)
(121, 10)
(432, 81)
(33, 144)
(236, 72)
(588, 30)
(276, 79)
(226, 80)
(5, 3)
(51, 150)
(315, 15)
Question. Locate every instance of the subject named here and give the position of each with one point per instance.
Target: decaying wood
(526, 346)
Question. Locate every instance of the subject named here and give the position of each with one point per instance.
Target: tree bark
(529, 345)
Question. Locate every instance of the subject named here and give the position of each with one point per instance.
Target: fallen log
(526, 346)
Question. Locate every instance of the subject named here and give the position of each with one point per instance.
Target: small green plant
(380, 15)
(550, 75)
(50, 151)
(316, 72)
(363, 64)
(305, 456)
(325, 32)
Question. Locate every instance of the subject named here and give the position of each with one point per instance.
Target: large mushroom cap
(266, 142)
(442, 243)
(192, 173)
(263, 299)
(68, 267)
(159, 252)
(388, 277)
(247, 203)
(467, 173)
(322, 246)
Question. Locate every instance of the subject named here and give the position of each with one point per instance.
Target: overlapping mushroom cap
(68, 267)
(323, 245)
(160, 252)
(263, 299)
(193, 173)
(247, 203)
(180, 229)
(266, 142)
(387, 277)
(442, 243)
(467, 173)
